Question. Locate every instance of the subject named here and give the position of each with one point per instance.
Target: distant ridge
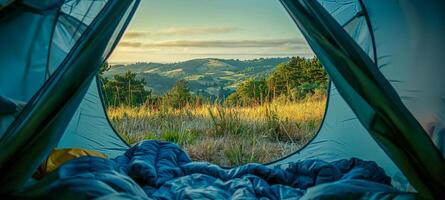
(210, 77)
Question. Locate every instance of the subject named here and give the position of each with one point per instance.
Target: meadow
(225, 135)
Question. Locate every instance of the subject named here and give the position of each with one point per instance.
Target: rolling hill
(209, 77)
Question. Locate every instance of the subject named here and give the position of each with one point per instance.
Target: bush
(179, 96)
(238, 153)
(226, 122)
(179, 137)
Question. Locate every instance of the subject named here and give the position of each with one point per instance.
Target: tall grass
(225, 135)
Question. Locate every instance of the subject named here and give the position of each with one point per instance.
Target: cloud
(134, 34)
(180, 31)
(265, 43)
(179, 50)
(130, 44)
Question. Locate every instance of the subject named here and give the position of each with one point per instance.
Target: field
(226, 136)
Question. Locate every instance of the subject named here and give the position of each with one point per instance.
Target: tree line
(291, 81)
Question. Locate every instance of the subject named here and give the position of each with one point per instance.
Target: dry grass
(225, 135)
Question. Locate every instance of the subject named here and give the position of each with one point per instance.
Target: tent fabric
(46, 39)
(341, 134)
(10, 110)
(41, 124)
(8, 107)
(374, 101)
(4, 3)
(90, 129)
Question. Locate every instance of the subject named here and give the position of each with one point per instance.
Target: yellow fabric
(59, 156)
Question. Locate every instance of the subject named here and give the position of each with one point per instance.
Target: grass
(225, 135)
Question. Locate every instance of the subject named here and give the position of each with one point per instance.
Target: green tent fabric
(60, 55)
(4, 3)
(375, 99)
(385, 104)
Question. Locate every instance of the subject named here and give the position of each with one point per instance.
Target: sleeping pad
(161, 170)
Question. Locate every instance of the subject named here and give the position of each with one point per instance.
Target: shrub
(179, 137)
(238, 153)
(226, 122)
(279, 129)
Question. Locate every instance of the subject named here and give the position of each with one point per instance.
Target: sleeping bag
(161, 170)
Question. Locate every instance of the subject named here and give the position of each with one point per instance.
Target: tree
(178, 96)
(104, 67)
(125, 89)
(250, 92)
(317, 74)
(297, 78)
(287, 76)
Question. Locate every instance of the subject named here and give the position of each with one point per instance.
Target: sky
(177, 30)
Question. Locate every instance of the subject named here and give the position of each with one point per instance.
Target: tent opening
(230, 88)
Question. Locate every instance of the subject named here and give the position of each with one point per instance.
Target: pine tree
(125, 89)
(178, 96)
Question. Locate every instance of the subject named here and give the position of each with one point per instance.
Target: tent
(386, 101)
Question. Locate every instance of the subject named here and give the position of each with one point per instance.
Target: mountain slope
(209, 77)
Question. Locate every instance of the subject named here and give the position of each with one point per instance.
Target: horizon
(180, 61)
(175, 31)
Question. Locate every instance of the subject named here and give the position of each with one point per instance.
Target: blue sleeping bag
(161, 170)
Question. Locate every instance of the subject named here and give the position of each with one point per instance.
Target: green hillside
(208, 77)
